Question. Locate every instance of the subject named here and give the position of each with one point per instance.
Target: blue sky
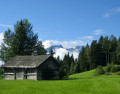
(66, 22)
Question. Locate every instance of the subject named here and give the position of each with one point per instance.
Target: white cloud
(98, 32)
(6, 26)
(72, 44)
(65, 44)
(47, 44)
(1, 38)
(106, 15)
(117, 9)
(75, 54)
(60, 52)
(1, 63)
(87, 37)
(111, 12)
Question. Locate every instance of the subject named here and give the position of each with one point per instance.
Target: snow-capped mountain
(61, 51)
(76, 49)
(54, 47)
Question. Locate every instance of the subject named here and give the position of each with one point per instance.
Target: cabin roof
(26, 61)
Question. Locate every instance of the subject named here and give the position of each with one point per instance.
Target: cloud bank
(65, 44)
(62, 51)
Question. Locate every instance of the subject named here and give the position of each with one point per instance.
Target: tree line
(23, 41)
(102, 52)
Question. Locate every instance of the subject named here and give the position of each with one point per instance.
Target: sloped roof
(26, 61)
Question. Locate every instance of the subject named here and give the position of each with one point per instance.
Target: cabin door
(25, 74)
(19, 74)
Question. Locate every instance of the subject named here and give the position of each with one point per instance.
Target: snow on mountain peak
(60, 51)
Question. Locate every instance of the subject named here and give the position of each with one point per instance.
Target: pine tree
(113, 46)
(39, 49)
(106, 47)
(51, 50)
(58, 60)
(21, 42)
(118, 52)
(24, 40)
(76, 67)
(72, 68)
(87, 55)
(101, 52)
(93, 55)
(82, 60)
(6, 52)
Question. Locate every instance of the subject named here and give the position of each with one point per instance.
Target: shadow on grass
(72, 78)
(89, 77)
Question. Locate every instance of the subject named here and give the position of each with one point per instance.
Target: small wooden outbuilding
(30, 67)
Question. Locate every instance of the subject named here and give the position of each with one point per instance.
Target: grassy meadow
(82, 83)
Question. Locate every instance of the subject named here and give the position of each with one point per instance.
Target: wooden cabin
(31, 67)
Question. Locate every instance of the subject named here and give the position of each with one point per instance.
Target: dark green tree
(39, 49)
(113, 46)
(25, 40)
(82, 60)
(72, 68)
(51, 50)
(58, 60)
(93, 55)
(21, 42)
(87, 55)
(101, 53)
(106, 49)
(67, 61)
(118, 52)
(6, 52)
(76, 66)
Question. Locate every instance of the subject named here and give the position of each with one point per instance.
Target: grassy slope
(82, 83)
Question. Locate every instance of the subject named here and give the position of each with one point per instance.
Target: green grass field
(82, 83)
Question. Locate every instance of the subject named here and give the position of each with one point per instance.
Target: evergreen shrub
(99, 70)
(108, 67)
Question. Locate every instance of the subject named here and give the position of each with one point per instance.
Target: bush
(107, 73)
(99, 70)
(114, 69)
(118, 67)
(118, 73)
(108, 67)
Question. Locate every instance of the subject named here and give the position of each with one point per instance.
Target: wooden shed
(31, 67)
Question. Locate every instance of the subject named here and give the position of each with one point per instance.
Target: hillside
(82, 83)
